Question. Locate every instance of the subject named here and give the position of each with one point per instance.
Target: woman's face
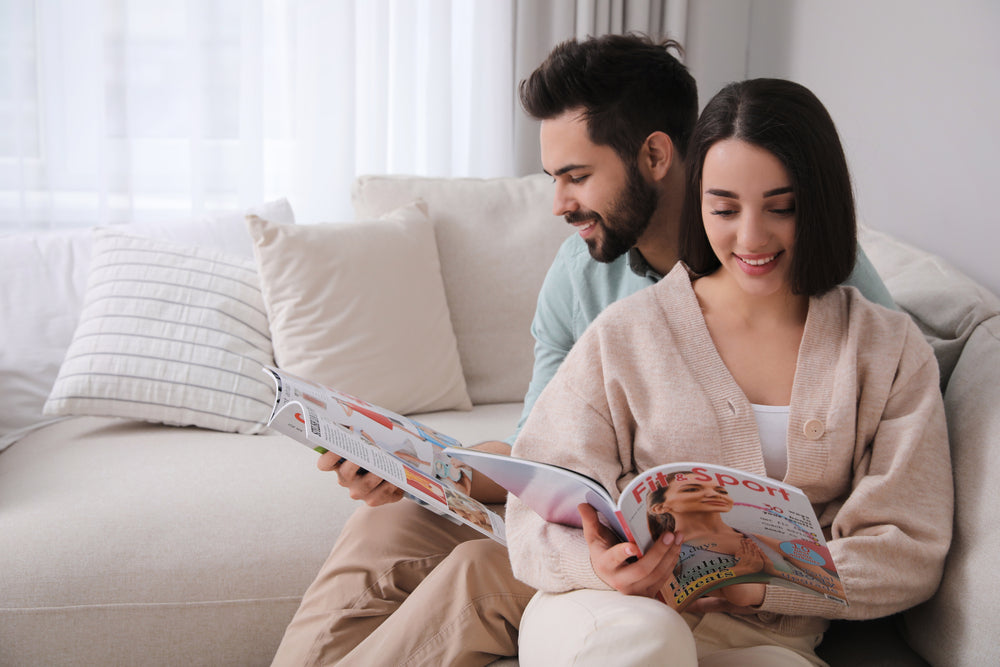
(748, 209)
(687, 496)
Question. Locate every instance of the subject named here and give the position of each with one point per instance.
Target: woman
(748, 354)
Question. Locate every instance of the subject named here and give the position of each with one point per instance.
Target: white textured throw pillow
(361, 308)
(43, 281)
(168, 334)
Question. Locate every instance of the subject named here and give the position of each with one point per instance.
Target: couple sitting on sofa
(762, 214)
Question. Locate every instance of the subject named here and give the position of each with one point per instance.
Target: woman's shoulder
(874, 326)
(858, 308)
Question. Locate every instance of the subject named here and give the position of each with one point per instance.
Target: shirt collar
(641, 267)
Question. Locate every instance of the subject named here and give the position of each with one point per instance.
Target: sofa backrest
(496, 239)
(946, 304)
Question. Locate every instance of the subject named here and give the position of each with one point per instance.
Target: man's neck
(659, 253)
(658, 243)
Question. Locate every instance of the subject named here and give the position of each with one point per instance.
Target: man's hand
(618, 563)
(484, 489)
(361, 484)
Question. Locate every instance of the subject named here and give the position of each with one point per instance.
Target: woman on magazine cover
(750, 354)
(693, 506)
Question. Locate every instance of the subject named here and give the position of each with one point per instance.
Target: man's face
(608, 202)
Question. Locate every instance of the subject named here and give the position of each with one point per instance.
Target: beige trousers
(403, 586)
(600, 628)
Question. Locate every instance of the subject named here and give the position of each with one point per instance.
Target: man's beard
(629, 216)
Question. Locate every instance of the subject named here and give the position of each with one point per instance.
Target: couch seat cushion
(174, 533)
(125, 542)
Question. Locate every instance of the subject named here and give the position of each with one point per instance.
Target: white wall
(914, 87)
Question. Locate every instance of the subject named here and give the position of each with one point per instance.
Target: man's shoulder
(653, 301)
(574, 259)
(574, 251)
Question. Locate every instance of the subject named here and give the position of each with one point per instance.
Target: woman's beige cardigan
(867, 441)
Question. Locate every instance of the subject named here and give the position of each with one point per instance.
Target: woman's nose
(752, 233)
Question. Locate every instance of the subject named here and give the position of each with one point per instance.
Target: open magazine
(768, 530)
(400, 450)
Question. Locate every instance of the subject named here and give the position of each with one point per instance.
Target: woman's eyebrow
(732, 195)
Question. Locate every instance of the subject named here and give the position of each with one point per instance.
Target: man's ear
(657, 155)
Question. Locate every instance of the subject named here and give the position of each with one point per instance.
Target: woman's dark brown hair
(787, 120)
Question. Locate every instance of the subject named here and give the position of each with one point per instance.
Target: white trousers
(600, 628)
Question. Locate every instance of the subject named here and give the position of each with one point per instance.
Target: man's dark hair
(627, 85)
(787, 120)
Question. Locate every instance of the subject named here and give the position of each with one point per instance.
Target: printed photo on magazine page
(398, 449)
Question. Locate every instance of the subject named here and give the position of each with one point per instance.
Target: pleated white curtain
(120, 110)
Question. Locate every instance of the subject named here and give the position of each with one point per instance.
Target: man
(616, 115)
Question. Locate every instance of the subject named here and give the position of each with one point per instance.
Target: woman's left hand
(736, 599)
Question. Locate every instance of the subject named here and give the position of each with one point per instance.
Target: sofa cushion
(499, 237)
(946, 304)
(959, 625)
(360, 307)
(44, 278)
(129, 543)
(168, 333)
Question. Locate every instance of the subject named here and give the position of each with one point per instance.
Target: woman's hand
(735, 599)
(619, 565)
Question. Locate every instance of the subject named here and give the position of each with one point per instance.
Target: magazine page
(400, 450)
(551, 491)
(742, 528)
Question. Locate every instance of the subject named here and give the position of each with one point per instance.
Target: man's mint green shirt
(577, 288)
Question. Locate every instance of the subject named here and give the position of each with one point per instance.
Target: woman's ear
(657, 155)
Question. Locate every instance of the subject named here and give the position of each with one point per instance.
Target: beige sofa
(124, 542)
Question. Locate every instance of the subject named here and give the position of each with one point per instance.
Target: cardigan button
(813, 429)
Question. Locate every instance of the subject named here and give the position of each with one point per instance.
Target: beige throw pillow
(361, 308)
(497, 237)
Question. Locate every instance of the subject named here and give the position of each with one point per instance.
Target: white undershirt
(772, 424)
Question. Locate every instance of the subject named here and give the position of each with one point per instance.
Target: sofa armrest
(959, 625)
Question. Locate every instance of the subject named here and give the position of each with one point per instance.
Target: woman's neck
(757, 335)
(719, 293)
